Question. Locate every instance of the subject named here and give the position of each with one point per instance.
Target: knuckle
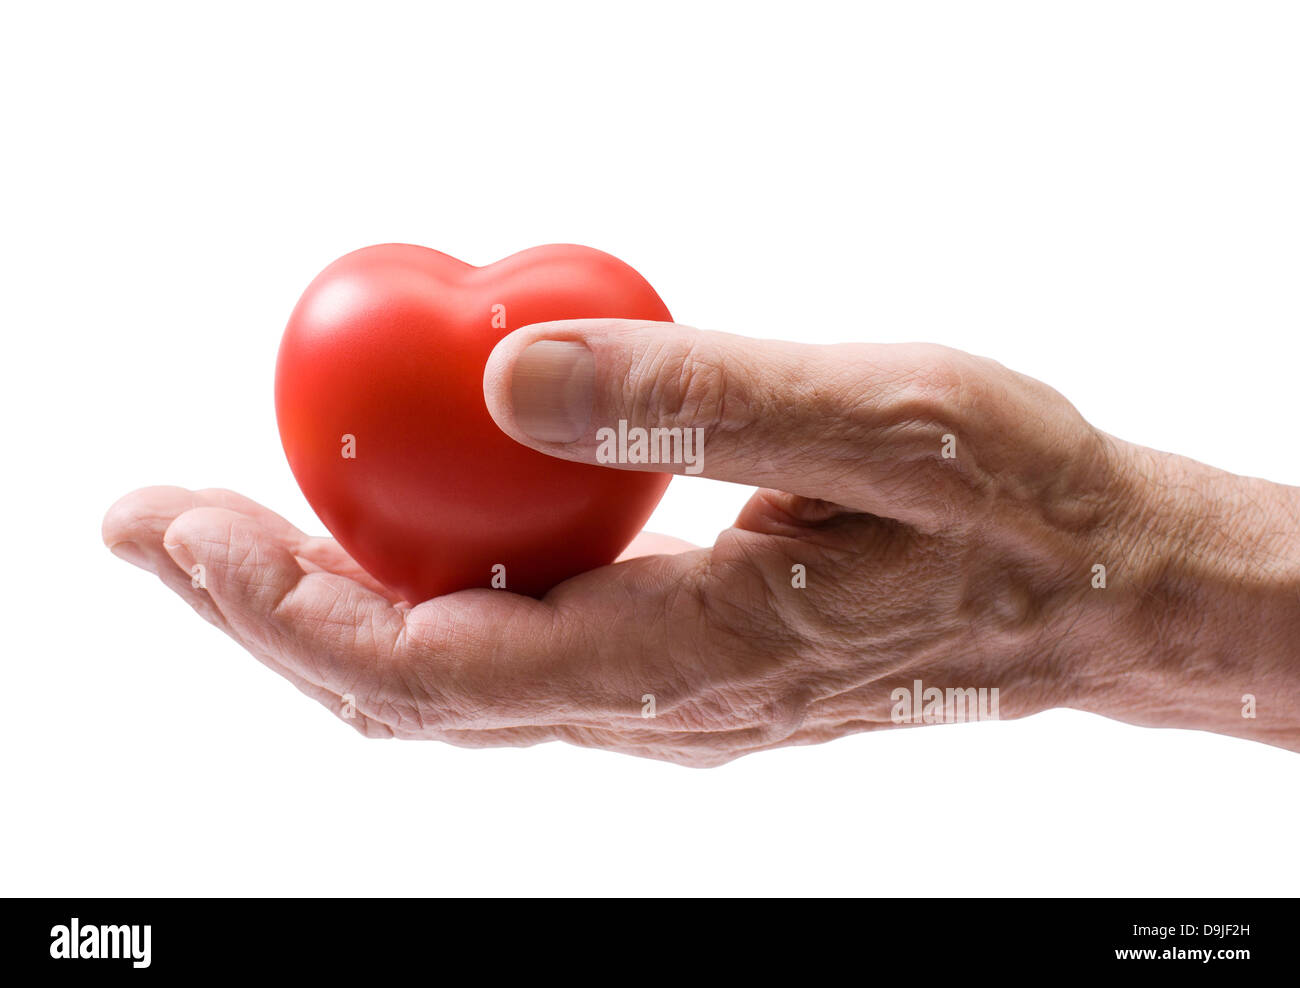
(936, 390)
(687, 385)
(372, 729)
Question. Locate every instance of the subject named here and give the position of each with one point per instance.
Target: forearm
(1203, 597)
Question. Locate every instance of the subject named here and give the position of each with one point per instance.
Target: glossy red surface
(388, 345)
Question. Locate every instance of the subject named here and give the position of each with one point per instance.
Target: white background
(1102, 195)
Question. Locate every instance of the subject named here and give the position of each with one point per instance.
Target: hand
(925, 516)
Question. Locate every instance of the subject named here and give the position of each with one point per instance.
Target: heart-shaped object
(379, 397)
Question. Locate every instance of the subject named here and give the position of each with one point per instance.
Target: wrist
(1202, 602)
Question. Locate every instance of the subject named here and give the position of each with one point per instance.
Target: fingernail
(132, 553)
(552, 388)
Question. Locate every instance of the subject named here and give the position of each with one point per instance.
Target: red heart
(388, 346)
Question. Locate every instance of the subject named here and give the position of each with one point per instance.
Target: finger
(798, 418)
(322, 555)
(134, 528)
(134, 525)
(313, 551)
(143, 515)
(865, 426)
(326, 629)
(654, 544)
(818, 734)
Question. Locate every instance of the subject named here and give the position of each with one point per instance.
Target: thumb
(858, 425)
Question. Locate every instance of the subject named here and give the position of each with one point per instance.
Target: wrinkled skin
(974, 570)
